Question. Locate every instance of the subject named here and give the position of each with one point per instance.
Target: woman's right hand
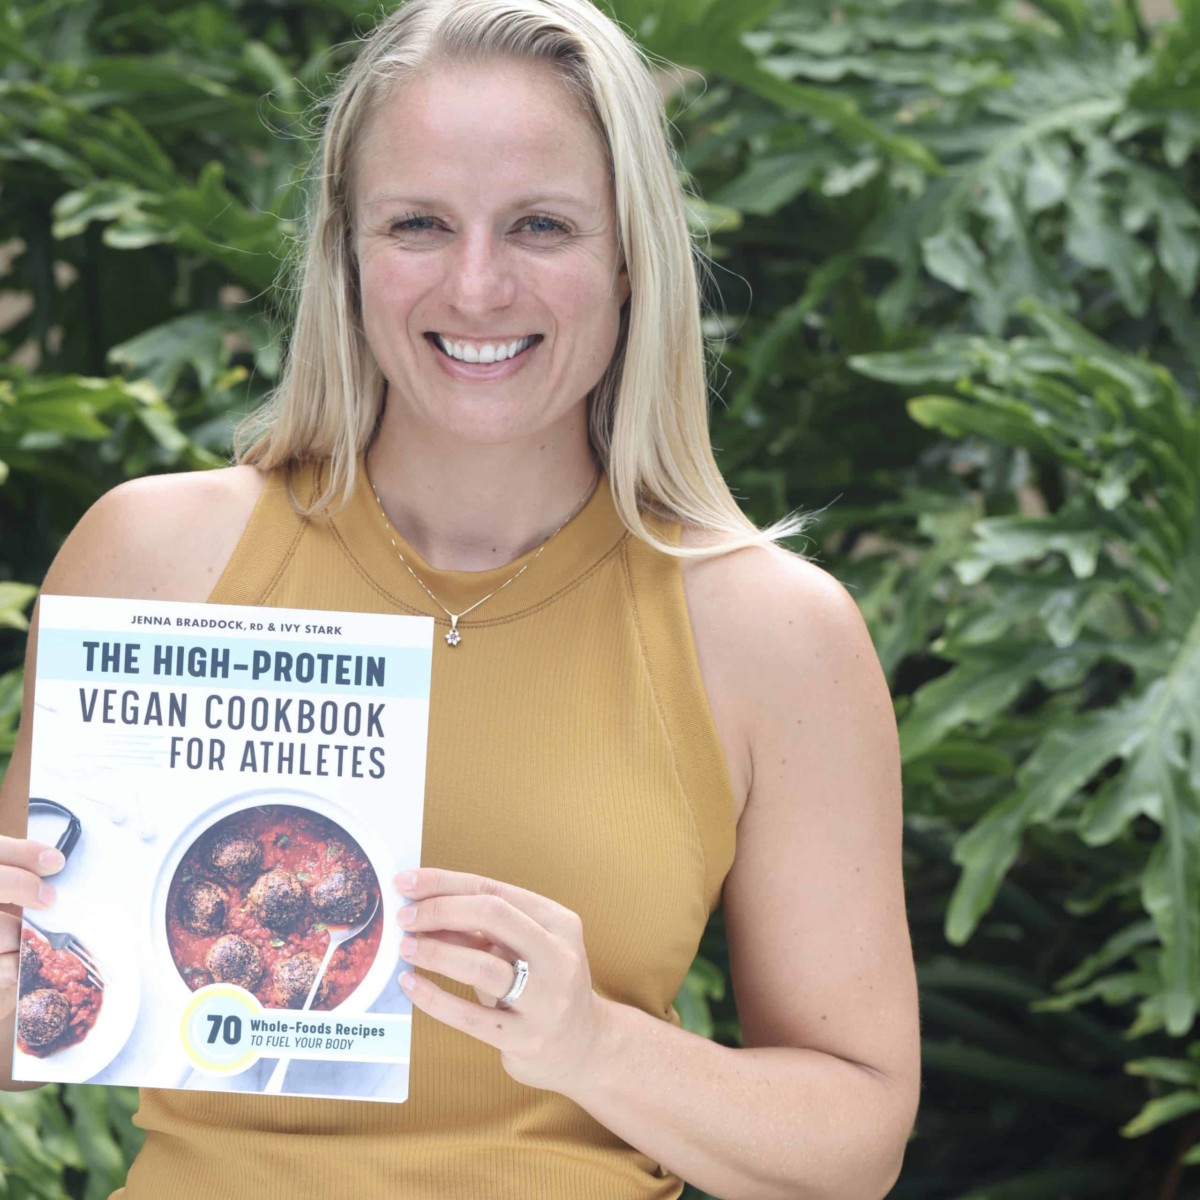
(24, 864)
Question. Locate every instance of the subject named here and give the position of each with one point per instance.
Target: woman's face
(483, 225)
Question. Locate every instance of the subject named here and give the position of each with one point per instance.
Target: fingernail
(408, 915)
(406, 882)
(406, 981)
(51, 861)
(45, 895)
(408, 946)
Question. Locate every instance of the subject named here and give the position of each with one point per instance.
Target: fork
(72, 945)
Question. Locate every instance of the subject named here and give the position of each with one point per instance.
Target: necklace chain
(454, 637)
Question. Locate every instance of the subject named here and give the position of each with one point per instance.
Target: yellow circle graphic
(216, 1029)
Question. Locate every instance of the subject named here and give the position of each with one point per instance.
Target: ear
(623, 286)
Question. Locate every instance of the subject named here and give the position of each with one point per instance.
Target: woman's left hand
(470, 928)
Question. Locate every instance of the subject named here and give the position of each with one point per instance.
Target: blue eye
(555, 225)
(411, 222)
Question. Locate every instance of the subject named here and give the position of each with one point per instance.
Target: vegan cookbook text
(190, 689)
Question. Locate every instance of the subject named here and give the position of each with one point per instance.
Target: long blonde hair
(648, 415)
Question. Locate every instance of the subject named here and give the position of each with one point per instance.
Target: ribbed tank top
(572, 751)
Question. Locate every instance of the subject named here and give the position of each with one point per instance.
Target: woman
(494, 412)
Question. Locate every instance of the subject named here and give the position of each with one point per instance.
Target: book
(235, 789)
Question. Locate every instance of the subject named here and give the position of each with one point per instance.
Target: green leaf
(1065, 760)
(102, 200)
(772, 181)
(704, 982)
(1170, 1070)
(1009, 422)
(1097, 240)
(952, 256)
(14, 599)
(1011, 540)
(1160, 1111)
(197, 341)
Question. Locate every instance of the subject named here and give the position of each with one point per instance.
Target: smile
(482, 352)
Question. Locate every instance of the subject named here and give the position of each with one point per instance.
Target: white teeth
(486, 353)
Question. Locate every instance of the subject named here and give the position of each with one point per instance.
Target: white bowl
(387, 957)
(114, 1022)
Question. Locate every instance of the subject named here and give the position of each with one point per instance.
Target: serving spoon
(338, 935)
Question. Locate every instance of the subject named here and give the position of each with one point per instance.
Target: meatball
(294, 976)
(202, 906)
(342, 896)
(277, 898)
(232, 959)
(236, 857)
(31, 964)
(42, 1016)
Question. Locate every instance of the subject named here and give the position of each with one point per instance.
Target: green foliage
(1088, 615)
(66, 1142)
(957, 245)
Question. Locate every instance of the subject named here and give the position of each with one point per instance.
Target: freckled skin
(482, 260)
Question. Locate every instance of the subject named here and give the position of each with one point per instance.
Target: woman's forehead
(525, 97)
(513, 127)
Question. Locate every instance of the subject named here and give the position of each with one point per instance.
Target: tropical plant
(1063, 729)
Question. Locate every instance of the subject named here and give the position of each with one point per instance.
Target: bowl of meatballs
(69, 1027)
(254, 893)
(59, 1003)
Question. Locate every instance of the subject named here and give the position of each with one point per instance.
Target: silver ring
(521, 967)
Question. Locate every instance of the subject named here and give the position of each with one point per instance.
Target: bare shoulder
(752, 599)
(760, 617)
(160, 537)
(770, 573)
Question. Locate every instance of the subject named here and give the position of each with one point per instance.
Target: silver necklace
(454, 637)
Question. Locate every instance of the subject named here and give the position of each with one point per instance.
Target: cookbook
(235, 789)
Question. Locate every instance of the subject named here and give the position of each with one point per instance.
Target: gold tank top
(572, 751)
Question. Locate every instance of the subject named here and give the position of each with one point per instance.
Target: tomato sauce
(308, 845)
(62, 972)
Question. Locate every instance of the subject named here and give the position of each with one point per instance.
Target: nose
(479, 276)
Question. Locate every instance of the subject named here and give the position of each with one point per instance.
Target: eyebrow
(530, 201)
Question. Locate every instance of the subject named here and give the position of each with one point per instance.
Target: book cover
(235, 789)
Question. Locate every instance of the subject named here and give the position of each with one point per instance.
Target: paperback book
(235, 789)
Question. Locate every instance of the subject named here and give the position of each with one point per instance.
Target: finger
(24, 888)
(487, 1024)
(434, 881)
(476, 968)
(505, 952)
(31, 856)
(494, 917)
(475, 941)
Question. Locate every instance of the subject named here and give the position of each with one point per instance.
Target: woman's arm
(820, 1103)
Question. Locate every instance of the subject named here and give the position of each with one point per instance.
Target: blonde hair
(648, 414)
